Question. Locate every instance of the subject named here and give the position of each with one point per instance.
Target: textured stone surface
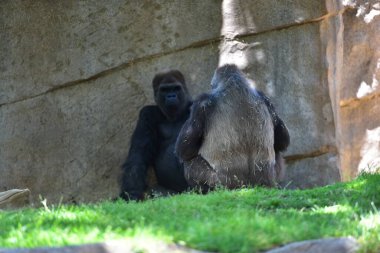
(311, 172)
(353, 56)
(49, 44)
(121, 246)
(14, 199)
(360, 90)
(242, 17)
(331, 245)
(360, 137)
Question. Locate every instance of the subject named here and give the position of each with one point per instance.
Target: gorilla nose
(171, 100)
(171, 96)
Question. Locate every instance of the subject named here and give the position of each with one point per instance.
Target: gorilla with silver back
(233, 136)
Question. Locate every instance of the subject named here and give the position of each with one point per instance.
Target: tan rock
(354, 74)
(119, 246)
(14, 199)
(330, 245)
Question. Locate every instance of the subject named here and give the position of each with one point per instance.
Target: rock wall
(356, 87)
(73, 76)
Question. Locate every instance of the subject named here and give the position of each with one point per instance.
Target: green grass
(223, 221)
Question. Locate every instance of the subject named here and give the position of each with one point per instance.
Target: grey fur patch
(239, 135)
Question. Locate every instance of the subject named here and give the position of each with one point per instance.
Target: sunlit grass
(245, 220)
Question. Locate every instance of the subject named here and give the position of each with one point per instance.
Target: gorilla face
(171, 95)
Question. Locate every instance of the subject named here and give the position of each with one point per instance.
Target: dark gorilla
(153, 141)
(233, 137)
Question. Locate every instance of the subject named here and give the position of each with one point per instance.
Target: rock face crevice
(196, 44)
(321, 151)
(120, 67)
(295, 24)
(73, 76)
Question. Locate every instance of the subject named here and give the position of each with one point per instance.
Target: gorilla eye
(164, 89)
(170, 88)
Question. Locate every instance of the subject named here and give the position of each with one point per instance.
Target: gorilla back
(238, 140)
(229, 138)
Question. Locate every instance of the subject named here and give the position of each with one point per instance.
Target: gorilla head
(170, 93)
(226, 77)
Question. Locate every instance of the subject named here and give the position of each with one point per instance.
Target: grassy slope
(224, 221)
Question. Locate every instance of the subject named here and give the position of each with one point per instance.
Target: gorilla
(153, 140)
(233, 136)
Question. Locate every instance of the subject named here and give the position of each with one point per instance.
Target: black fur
(281, 137)
(152, 143)
(234, 155)
(281, 134)
(191, 136)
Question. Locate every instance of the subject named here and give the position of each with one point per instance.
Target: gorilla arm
(190, 137)
(281, 134)
(281, 137)
(141, 155)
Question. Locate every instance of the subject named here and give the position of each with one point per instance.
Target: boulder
(118, 246)
(330, 245)
(14, 199)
